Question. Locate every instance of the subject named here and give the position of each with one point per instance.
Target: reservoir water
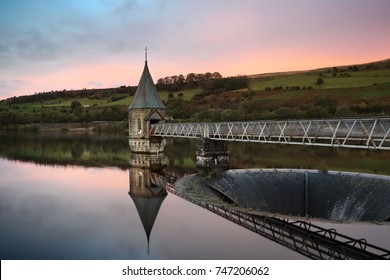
(66, 196)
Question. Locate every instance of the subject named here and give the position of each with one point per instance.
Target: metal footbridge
(367, 133)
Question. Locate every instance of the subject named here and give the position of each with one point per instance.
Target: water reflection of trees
(67, 149)
(179, 151)
(255, 155)
(89, 149)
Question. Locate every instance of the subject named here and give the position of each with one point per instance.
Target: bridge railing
(369, 133)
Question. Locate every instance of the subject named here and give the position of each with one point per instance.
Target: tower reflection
(145, 193)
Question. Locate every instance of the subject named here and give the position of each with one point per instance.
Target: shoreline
(74, 127)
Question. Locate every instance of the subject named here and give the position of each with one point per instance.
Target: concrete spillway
(342, 196)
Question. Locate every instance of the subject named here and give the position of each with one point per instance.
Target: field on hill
(347, 91)
(341, 80)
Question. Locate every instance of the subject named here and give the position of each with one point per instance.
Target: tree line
(191, 80)
(69, 94)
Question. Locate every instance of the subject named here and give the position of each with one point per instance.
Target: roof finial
(146, 54)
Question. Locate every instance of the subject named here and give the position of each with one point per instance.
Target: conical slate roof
(147, 208)
(146, 95)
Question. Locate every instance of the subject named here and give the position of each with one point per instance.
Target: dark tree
(320, 81)
(75, 104)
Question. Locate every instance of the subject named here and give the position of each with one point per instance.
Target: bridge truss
(369, 133)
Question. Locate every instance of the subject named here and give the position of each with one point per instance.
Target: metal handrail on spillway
(368, 133)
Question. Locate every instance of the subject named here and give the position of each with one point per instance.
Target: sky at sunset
(72, 44)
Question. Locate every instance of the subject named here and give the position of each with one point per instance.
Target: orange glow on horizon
(110, 75)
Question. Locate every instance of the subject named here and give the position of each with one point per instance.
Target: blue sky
(49, 45)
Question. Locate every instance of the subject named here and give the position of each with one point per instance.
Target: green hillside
(343, 91)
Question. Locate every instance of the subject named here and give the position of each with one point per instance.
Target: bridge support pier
(211, 155)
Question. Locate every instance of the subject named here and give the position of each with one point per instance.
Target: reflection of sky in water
(79, 213)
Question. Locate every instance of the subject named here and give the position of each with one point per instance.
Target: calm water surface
(66, 196)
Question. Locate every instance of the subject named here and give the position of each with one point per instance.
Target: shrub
(286, 112)
(317, 112)
(328, 103)
(344, 111)
(320, 81)
(75, 104)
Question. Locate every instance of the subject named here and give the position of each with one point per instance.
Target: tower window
(140, 180)
(139, 125)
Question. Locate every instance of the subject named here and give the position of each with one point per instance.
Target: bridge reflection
(149, 185)
(303, 237)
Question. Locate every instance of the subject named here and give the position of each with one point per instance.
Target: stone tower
(146, 109)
